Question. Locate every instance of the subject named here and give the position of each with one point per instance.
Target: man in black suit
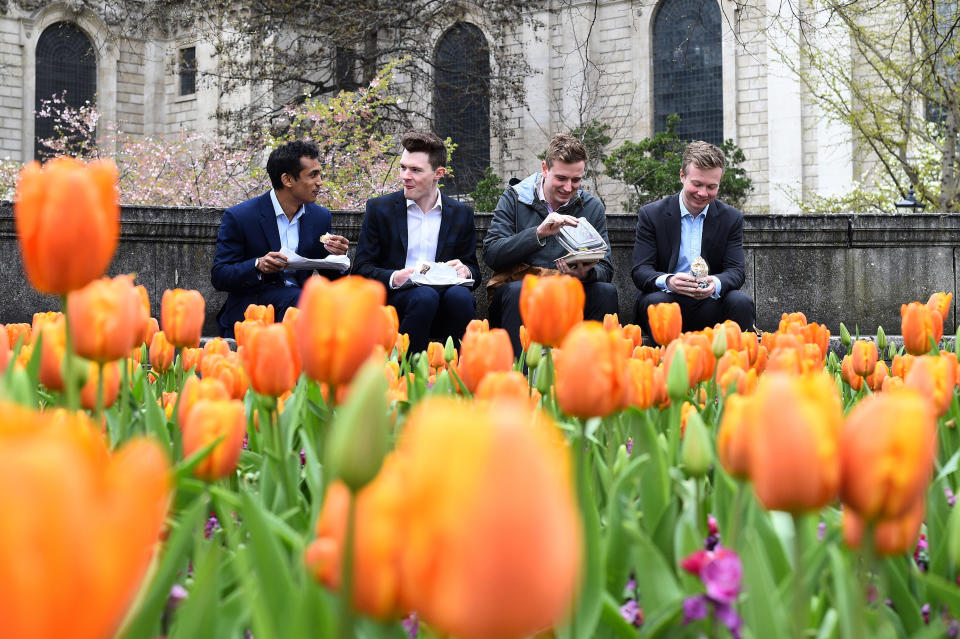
(673, 232)
(419, 224)
(248, 264)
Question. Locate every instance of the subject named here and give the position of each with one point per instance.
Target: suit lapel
(672, 222)
(708, 241)
(268, 222)
(400, 215)
(446, 221)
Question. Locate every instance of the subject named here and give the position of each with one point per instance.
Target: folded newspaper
(583, 243)
(436, 274)
(339, 263)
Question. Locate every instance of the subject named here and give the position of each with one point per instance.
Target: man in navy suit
(419, 224)
(248, 264)
(673, 232)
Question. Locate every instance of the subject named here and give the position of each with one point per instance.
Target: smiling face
(700, 187)
(419, 178)
(305, 187)
(561, 181)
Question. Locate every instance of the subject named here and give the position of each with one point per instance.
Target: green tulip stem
(124, 398)
(346, 576)
(280, 453)
(800, 605)
(97, 415)
(72, 396)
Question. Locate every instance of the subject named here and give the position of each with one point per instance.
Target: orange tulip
(231, 372)
(143, 314)
(54, 348)
(846, 371)
(863, 357)
(750, 344)
(732, 359)
(291, 316)
(403, 344)
(391, 328)
(935, 378)
(500, 385)
(182, 314)
(483, 353)
(550, 307)
(67, 221)
(80, 524)
(168, 402)
(340, 323)
(477, 326)
(789, 319)
(733, 437)
(734, 334)
(435, 355)
(699, 356)
(940, 302)
(648, 352)
(611, 321)
(794, 424)
(111, 385)
(589, 371)
(875, 379)
(207, 421)
(192, 358)
(259, 313)
(216, 345)
(633, 333)
(271, 360)
(152, 327)
(819, 335)
(891, 383)
(639, 388)
(921, 327)
(18, 333)
(887, 448)
(195, 389)
(524, 338)
(890, 536)
(901, 365)
(665, 322)
(161, 352)
(44, 317)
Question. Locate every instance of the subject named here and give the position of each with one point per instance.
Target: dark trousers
(600, 299)
(282, 298)
(698, 314)
(426, 312)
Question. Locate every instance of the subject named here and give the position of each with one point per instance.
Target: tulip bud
(421, 365)
(533, 355)
(719, 345)
(881, 340)
(544, 376)
(360, 437)
(620, 461)
(696, 455)
(956, 340)
(677, 381)
(449, 350)
(845, 336)
(892, 350)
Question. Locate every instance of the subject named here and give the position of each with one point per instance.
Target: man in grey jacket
(523, 237)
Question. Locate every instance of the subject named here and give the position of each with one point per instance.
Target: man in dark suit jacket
(419, 224)
(673, 232)
(248, 264)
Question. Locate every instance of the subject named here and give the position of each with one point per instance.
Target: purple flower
(632, 613)
(245, 438)
(411, 625)
(821, 531)
(729, 617)
(695, 608)
(631, 584)
(951, 498)
(629, 445)
(722, 577)
(925, 611)
(303, 457)
(212, 525)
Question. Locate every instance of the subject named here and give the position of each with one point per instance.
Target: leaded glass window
(461, 103)
(688, 68)
(67, 65)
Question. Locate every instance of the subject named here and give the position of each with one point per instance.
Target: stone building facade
(590, 61)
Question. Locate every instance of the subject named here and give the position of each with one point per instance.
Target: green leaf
(268, 561)
(846, 594)
(656, 580)
(617, 549)
(613, 622)
(762, 608)
(939, 590)
(174, 557)
(897, 571)
(197, 616)
(654, 478)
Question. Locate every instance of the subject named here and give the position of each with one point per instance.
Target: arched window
(688, 68)
(66, 64)
(461, 103)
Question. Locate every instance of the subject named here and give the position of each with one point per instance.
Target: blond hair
(565, 148)
(704, 155)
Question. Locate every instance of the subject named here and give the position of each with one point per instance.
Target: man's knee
(740, 307)
(601, 299)
(459, 297)
(422, 297)
(510, 294)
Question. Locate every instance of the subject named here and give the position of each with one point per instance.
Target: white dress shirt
(423, 232)
(289, 233)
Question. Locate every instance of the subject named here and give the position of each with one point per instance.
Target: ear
(543, 167)
(287, 180)
(440, 172)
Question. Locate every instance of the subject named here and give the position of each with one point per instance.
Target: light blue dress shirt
(289, 233)
(691, 240)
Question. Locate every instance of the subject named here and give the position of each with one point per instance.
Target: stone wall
(857, 269)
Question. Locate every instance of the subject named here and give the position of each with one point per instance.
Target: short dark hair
(426, 142)
(565, 148)
(704, 155)
(286, 159)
